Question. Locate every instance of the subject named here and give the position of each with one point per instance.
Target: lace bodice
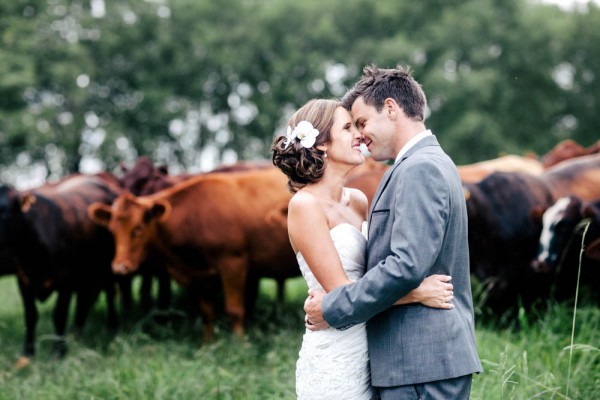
(350, 244)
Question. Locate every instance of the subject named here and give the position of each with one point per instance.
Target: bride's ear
(322, 147)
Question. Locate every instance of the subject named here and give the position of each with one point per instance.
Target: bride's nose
(357, 135)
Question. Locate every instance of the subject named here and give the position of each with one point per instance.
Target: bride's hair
(304, 165)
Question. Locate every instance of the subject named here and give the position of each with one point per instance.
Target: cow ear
(161, 209)
(27, 201)
(100, 213)
(537, 213)
(592, 250)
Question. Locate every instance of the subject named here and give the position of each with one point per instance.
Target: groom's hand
(314, 315)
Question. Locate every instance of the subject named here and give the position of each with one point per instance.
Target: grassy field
(530, 359)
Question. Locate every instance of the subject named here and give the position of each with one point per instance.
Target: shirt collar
(412, 142)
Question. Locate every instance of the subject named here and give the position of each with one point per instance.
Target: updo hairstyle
(305, 165)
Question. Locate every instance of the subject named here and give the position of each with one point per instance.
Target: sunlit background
(86, 85)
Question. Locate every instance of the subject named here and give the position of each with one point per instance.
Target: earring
(325, 154)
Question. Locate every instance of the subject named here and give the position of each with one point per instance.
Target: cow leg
(234, 271)
(85, 299)
(146, 288)
(280, 290)
(252, 285)
(31, 318)
(61, 310)
(112, 318)
(207, 311)
(164, 288)
(124, 282)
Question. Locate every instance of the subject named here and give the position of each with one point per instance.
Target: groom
(417, 227)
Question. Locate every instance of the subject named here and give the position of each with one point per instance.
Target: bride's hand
(435, 291)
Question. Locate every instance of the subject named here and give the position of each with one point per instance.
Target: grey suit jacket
(417, 227)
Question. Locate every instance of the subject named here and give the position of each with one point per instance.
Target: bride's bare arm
(309, 234)
(435, 291)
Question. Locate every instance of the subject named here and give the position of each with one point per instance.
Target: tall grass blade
(587, 225)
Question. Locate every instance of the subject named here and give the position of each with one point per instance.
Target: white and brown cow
(570, 238)
(503, 236)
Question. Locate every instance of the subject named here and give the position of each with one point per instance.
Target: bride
(326, 226)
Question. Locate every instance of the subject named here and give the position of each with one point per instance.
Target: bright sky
(570, 4)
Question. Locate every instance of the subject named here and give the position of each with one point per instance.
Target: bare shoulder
(303, 199)
(304, 206)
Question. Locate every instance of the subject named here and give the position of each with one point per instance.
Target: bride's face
(345, 140)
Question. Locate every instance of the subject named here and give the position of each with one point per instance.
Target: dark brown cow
(145, 178)
(56, 247)
(566, 150)
(231, 226)
(502, 235)
(560, 246)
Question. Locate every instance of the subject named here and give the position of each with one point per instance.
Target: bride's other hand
(435, 291)
(313, 320)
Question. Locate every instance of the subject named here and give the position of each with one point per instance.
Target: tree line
(195, 82)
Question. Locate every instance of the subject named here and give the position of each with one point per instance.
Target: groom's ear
(390, 108)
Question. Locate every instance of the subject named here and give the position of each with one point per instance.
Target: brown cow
(145, 178)
(475, 172)
(568, 149)
(230, 226)
(367, 177)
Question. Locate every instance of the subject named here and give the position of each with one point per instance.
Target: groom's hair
(378, 84)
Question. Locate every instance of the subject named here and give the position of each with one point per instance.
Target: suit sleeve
(419, 219)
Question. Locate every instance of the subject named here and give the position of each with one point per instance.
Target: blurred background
(193, 84)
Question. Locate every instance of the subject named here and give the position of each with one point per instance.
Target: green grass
(147, 360)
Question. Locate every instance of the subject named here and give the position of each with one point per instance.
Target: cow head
(559, 222)
(133, 222)
(592, 211)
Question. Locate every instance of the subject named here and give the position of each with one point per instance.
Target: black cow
(56, 247)
(560, 245)
(503, 236)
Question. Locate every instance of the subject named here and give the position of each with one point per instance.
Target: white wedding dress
(334, 364)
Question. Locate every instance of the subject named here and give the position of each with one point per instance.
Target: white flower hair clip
(304, 132)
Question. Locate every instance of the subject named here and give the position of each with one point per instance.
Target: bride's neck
(331, 187)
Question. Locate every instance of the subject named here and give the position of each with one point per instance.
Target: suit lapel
(427, 141)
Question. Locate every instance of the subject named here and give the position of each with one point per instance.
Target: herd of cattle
(217, 234)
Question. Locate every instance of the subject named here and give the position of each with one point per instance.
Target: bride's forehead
(342, 115)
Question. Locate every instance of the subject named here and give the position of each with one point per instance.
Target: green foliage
(172, 79)
(146, 360)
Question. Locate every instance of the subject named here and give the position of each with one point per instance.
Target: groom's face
(377, 129)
